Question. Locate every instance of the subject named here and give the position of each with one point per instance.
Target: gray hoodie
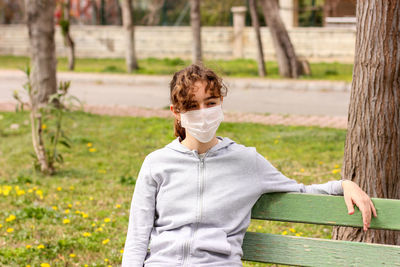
(195, 211)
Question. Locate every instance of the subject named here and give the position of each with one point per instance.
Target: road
(244, 94)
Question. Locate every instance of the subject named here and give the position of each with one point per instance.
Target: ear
(176, 114)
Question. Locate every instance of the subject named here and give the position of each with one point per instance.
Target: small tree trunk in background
(285, 54)
(127, 17)
(195, 22)
(65, 27)
(372, 150)
(153, 17)
(254, 20)
(40, 21)
(95, 12)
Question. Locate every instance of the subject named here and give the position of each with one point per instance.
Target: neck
(194, 144)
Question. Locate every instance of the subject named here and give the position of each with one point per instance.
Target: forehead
(199, 91)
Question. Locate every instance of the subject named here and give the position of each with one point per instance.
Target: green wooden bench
(320, 209)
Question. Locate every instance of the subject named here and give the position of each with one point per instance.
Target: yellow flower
(30, 190)
(71, 187)
(40, 246)
(28, 246)
(66, 211)
(77, 203)
(335, 171)
(89, 144)
(28, 265)
(121, 251)
(284, 232)
(54, 207)
(301, 170)
(44, 126)
(72, 255)
(69, 205)
(298, 234)
(77, 212)
(336, 166)
(102, 171)
(92, 149)
(276, 142)
(90, 198)
(86, 234)
(105, 241)
(84, 215)
(107, 220)
(117, 206)
(292, 230)
(1, 225)
(106, 260)
(320, 163)
(59, 188)
(94, 224)
(102, 225)
(45, 265)
(11, 218)
(20, 192)
(10, 230)
(65, 221)
(99, 229)
(86, 265)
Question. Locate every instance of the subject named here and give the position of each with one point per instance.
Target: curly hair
(181, 86)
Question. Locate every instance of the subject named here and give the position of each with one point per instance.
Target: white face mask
(203, 123)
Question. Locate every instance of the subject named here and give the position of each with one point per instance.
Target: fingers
(373, 208)
(366, 214)
(349, 204)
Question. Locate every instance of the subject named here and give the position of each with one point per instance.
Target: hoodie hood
(178, 146)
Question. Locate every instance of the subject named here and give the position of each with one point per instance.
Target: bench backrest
(320, 209)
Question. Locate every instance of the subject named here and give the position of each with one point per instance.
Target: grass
(93, 189)
(152, 66)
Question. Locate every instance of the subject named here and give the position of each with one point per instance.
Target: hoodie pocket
(211, 240)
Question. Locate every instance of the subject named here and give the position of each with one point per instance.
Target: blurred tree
(260, 56)
(127, 17)
(372, 150)
(65, 26)
(287, 61)
(196, 30)
(152, 18)
(40, 22)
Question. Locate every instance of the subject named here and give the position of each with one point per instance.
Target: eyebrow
(210, 97)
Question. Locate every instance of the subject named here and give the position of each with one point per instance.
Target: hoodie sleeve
(273, 180)
(141, 218)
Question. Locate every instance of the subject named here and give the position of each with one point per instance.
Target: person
(192, 200)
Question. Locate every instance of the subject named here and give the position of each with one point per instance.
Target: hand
(353, 194)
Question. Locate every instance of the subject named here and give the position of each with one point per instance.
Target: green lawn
(80, 215)
(235, 68)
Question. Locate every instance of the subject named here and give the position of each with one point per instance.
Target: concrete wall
(315, 44)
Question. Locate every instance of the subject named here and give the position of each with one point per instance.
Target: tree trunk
(254, 20)
(285, 54)
(153, 17)
(40, 20)
(196, 30)
(127, 17)
(372, 150)
(95, 13)
(69, 43)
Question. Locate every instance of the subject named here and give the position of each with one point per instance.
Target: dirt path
(272, 119)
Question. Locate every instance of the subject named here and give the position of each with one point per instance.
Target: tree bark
(256, 25)
(372, 149)
(195, 22)
(285, 54)
(40, 20)
(127, 17)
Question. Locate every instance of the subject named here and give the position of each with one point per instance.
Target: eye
(211, 103)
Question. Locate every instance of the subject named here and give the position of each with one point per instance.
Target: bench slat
(323, 209)
(302, 251)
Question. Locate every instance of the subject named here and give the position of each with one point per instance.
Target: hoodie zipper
(186, 245)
